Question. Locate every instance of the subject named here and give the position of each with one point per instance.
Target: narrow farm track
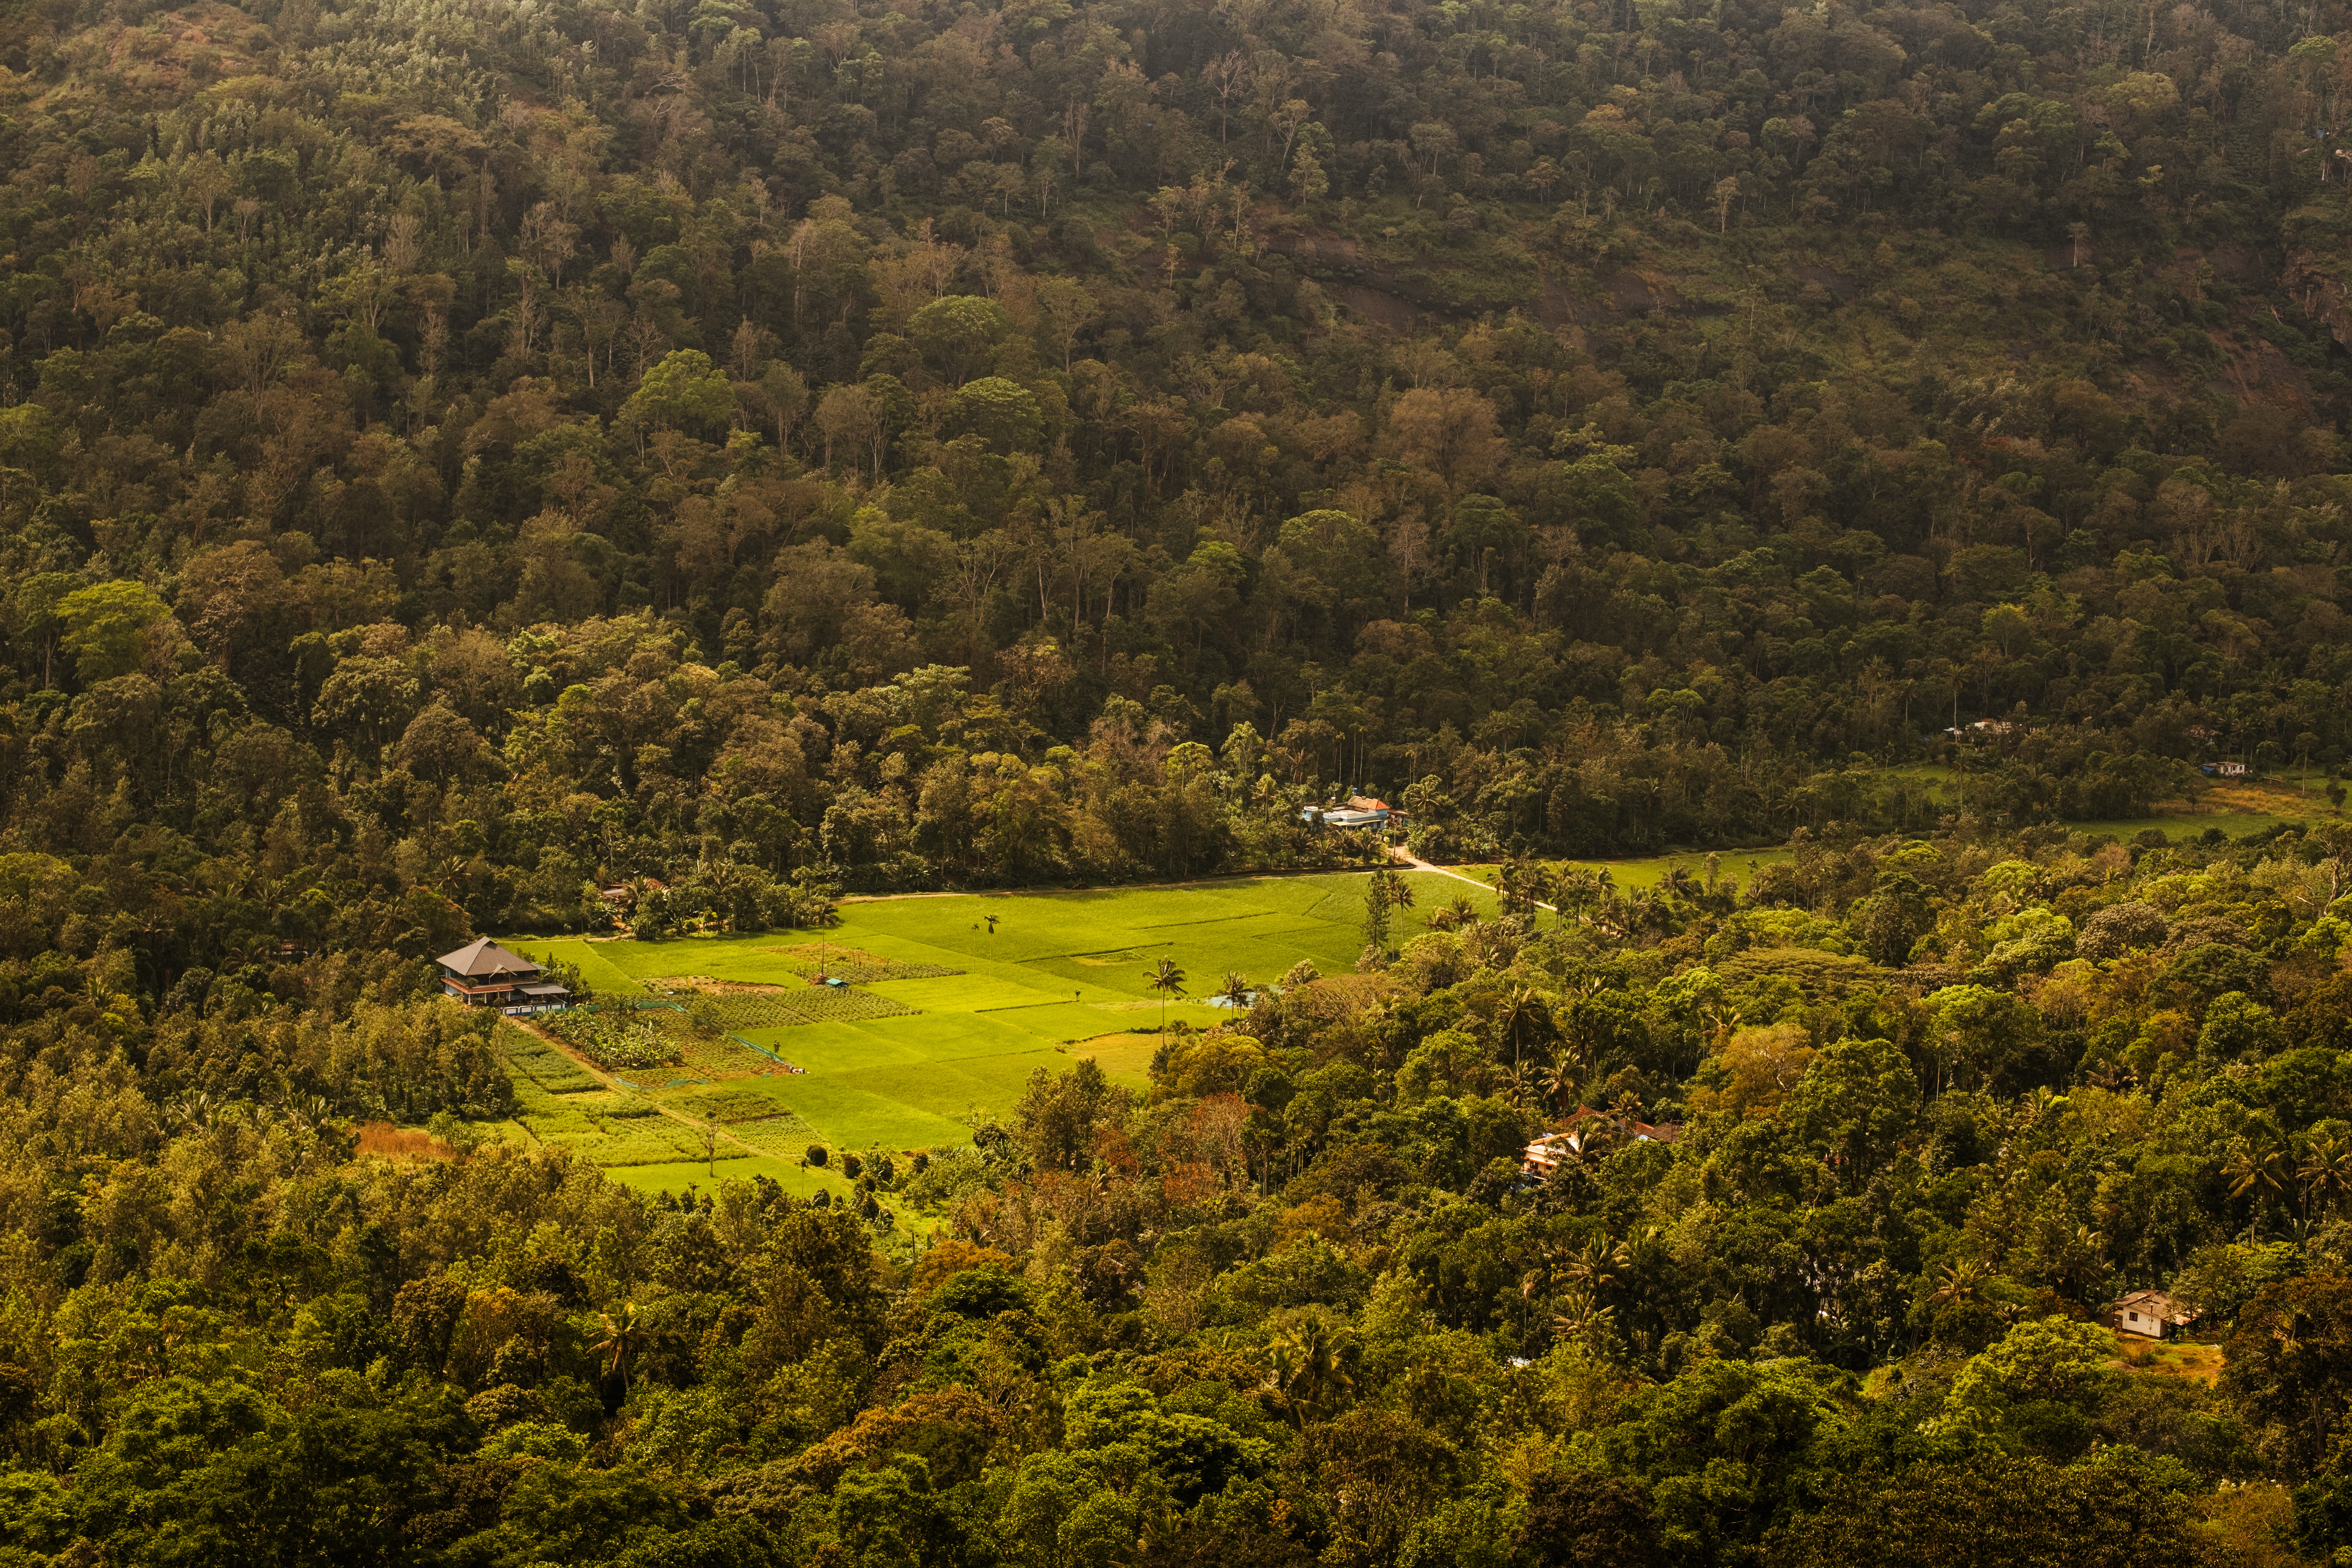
(1407, 857)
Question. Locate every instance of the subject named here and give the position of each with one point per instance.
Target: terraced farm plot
(603, 1127)
(946, 1020)
(731, 1107)
(856, 965)
(533, 1059)
(823, 1005)
(786, 1137)
(723, 1058)
(752, 1010)
(801, 1180)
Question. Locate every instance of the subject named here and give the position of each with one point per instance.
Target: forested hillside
(1630, 421)
(458, 457)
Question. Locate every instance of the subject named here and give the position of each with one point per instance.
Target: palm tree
(1593, 1265)
(1308, 1372)
(1385, 892)
(623, 1337)
(1455, 916)
(1169, 980)
(1578, 1315)
(1235, 992)
(2257, 1175)
(2326, 1173)
(1558, 1082)
(1541, 885)
(720, 879)
(1510, 879)
(1959, 1282)
(194, 1109)
(1520, 1008)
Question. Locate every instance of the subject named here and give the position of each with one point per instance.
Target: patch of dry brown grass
(381, 1138)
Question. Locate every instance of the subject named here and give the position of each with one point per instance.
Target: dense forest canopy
(1627, 421)
(456, 458)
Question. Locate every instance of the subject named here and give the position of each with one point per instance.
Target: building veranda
(483, 974)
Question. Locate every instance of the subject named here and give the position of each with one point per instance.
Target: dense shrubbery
(612, 1037)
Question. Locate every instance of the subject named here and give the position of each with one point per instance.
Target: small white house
(2151, 1314)
(1344, 818)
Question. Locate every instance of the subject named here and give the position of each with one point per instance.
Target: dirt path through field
(1418, 864)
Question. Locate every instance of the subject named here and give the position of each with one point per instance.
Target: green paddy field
(944, 1021)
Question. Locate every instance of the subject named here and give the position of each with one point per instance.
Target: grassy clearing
(945, 1019)
(2236, 807)
(2186, 828)
(588, 957)
(2173, 1358)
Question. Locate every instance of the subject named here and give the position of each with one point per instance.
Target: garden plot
(533, 1059)
(603, 1127)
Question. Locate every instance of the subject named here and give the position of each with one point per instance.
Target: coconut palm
(1558, 1082)
(1385, 892)
(1595, 1266)
(1169, 980)
(195, 1109)
(1307, 1372)
(624, 1335)
(1460, 913)
(2326, 1173)
(1510, 885)
(2260, 1174)
(1577, 1315)
(1520, 1012)
(1235, 992)
(1541, 886)
(1956, 1283)
(719, 883)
